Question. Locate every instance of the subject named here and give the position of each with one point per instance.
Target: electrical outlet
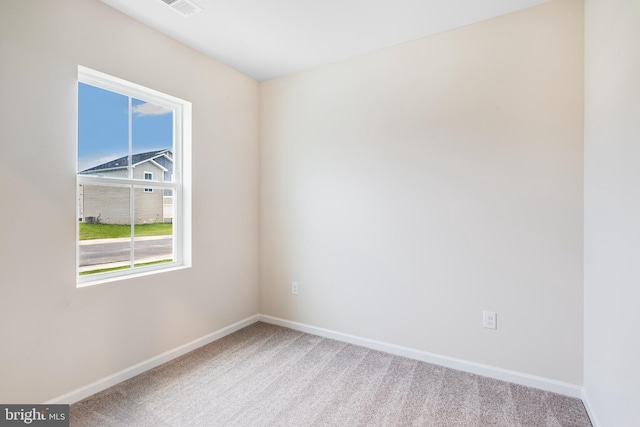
(294, 288)
(489, 320)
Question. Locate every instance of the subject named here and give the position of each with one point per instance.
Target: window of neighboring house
(125, 133)
(148, 176)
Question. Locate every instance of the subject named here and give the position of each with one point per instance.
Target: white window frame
(144, 174)
(181, 184)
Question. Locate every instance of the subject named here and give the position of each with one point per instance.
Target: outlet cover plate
(489, 320)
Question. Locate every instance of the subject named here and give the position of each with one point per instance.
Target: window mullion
(104, 180)
(130, 131)
(131, 188)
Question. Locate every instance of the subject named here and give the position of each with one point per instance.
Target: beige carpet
(266, 375)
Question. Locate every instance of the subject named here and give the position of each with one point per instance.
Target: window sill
(98, 281)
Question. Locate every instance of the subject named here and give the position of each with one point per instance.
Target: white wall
(406, 190)
(612, 211)
(54, 337)
(409, 189)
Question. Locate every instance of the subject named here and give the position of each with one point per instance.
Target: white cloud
(147, 109)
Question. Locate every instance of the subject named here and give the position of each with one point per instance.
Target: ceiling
(265, 39)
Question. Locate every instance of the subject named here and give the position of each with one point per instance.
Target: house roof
(136, 159)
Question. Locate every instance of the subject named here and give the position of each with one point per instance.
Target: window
(148, 176)
(131, 141)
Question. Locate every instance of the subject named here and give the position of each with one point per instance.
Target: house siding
(111, 204)
(148, 206)
(106, 204)
(139, 170)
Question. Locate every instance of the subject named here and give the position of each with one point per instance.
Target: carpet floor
(266, 375)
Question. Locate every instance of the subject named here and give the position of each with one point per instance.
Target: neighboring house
(111, 204)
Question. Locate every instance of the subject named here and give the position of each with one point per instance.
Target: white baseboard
(125, 374)
(449, 362)
(542, 383)
(589, 408)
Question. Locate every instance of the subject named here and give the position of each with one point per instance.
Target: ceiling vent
(183, 7)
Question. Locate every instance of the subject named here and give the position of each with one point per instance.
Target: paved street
(117, 250)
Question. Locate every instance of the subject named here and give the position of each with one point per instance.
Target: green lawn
(102, 270)
(112, 231)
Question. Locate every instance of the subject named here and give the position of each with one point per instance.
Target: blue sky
(103, 123)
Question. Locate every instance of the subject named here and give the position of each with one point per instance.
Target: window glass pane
(152, 145)
(104, 228)
(168, 205)
(103, 132)
(154, 229)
